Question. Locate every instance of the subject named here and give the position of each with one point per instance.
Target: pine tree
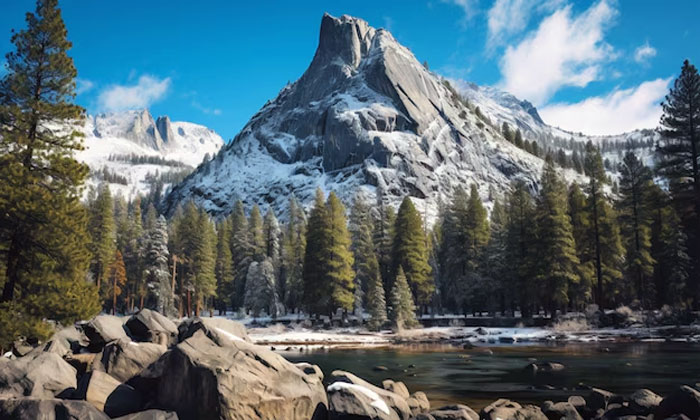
(453, 259)
(316, 291)
(376, 302)
(224, 265)
(605, 238)
(103, 233)
(366, 265)
(132, 251)
(384, 231)
(261, 290)
(581, 293)
(477, 235)
(635, 220)
(507, 133)
(403, 310)
(271, 237)
(156, 272)
(339, 259)
(678, 154)
(257, 236)
(518, 141)
(116, 280)
(294, 246)
(410, 252)
(496, 270)
(242, 250)
(520, 235)
(204, 261)
(556, 248)
(42, 222)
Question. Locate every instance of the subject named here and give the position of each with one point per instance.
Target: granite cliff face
(365, 115)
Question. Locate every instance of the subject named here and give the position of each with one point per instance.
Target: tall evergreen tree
(605, 238)
(294, 246)
(242, 249)
(403, 310)
(366, 265)
(520, 235)
(635, 220)
(257, 236)
(556, 266)
(103, 233)
(261, 291)
(581, 293)
(411, 254)
(116, 280)
(316, 291)
(272, 236)
(132, 251)
(678, 154)
(43, 240)
(376, 302)
(384, 231)
(156, 273)
(496, 263)
(224, 265)
(339, 259)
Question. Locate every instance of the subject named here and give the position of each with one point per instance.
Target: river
(476, 377)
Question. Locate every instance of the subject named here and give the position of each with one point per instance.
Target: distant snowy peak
(129, 149)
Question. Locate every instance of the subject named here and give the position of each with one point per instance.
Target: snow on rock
(377, 401)
(111, 140)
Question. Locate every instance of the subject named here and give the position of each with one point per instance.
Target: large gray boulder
(454, 412)
(124, 359)
(349, 395)
(685, 400)
(102, 329)
(108, 394)
(644, 401)
(151, 326)
(418, 403)
(505, 409)
(48, 409)
(63, 342)
(219, 330)
(150, 415)
(560, 411)
(202, 380)
(396, 387)
(40, 375)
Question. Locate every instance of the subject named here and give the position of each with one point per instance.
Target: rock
(580, 404)
(348, 400)
(481, 331)
(418, 403)
(40, 375)
(380, 368)
(81, 362)
(506, 409)
(454, 412)
(150, 415)
(108, 394)
(310, 369)
(21, 348)
(219, 330)
(201, 380)
(560, 411)
(546, 367)
(685, 400)
(63, 342)
(396, 387)
(48, 409)
(599, 399)
(124, 359)
(102, 329)
(644, 401)
(151, 326)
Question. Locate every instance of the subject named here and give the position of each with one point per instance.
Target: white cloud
(204, 109)
(469, 7)
(145, 92)
(620, 111)
(644, 52)
(510, 17)
(565, 50)
(82, 86)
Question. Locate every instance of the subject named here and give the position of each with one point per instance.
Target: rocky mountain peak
(346, 38)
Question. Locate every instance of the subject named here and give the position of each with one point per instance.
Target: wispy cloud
(507, 18)
(620, 111)
(644, 53)
(565, 50)
(145, 92)
(204, 109)
(83, 85)
(470, 8)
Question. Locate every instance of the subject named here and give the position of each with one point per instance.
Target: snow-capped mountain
(366, 115)
(130, 149)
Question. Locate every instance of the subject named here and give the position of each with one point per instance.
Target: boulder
(48, 409)
(108, 394)
(82, 362)
(644, 401)
(219, 330)
(124, 359)
(21, 348)
(365, 391)
(418, 403)
(310, 369)
(40, 375)
(351, 401)
(454, 412)
(150, 415)
(599, 399)
(396, 387)
(560, 411)
(546, 367)
(102, 329)
(201, 380)
(151, 326)
(64, 342)
(685, 400)
(506, 409)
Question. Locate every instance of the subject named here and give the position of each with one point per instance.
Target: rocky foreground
(146, 367)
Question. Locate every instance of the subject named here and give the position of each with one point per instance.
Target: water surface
(476, 377)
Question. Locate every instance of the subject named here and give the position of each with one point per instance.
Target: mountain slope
(365, 114)
(130, 149)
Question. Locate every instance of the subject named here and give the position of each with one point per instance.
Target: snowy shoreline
(278, 335)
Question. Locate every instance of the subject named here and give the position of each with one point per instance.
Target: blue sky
(598, 67)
